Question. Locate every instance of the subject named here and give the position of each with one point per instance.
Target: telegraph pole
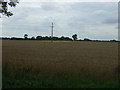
(52, 27)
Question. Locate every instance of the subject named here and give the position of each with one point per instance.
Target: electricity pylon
(52, 28)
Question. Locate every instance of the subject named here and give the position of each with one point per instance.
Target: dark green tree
(26, 36)
(74, 37)
(39, 37)
(87, 39)
(33, 38)
(4, 6)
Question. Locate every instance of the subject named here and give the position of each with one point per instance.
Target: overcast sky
(93, 20)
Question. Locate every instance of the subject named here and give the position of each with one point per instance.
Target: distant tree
(39, 37)
(4, 4)
(74, 37)
(80, 39)
(6, 38)
(62, 38)
(112, 40)
(32, 38)
(46, 38)
(26, 36)
(16, 38)
(86, 39)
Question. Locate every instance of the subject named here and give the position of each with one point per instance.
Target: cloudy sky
(93, 20)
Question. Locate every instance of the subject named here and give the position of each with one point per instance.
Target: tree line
(51, 38)
(42, 38)
(63, 38)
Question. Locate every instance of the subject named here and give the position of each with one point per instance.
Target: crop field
(59, 64)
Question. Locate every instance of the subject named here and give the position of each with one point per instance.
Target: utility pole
(52, 27)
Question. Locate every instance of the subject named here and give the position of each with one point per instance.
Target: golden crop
(97, 59)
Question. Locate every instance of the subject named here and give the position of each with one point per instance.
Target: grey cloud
(48, 6)
(69, 18)
(111, 21)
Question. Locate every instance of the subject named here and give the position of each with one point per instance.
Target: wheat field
(91, 59)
